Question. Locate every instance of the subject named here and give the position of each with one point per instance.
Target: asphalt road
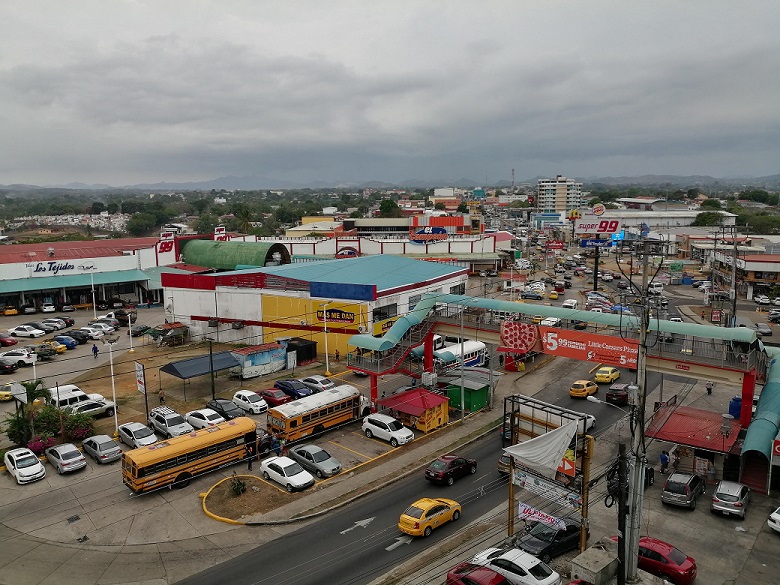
(361, 541)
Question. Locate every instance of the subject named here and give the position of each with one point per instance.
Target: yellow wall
(292, 310)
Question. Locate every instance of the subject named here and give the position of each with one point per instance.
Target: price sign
(597, 226)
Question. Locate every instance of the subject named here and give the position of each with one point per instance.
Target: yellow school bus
(174, 462)
(314, 414)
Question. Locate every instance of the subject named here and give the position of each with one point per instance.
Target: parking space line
(339, 445)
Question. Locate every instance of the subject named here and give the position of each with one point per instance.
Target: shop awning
(61, 281)
(413, 402)
(692, 427)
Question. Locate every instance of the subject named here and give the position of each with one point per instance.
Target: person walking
(337, 355)
(95, 350)
(161, 394)
(275, 446)
(250, 454)
(709, 385)
(664, 461)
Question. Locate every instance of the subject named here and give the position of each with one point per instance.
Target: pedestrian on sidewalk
(250, 454)
(337, 355)
(95, 350)
(664, 461)
(161, 394)
(709, 385)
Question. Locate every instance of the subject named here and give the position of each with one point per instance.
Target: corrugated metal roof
(692, 427)
(70, 281)
(14, 253)
(228, 255)
(385, 271)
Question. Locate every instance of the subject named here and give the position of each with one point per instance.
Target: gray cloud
(186, 91)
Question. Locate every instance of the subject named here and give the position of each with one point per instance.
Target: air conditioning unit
(303, 322)
(213, 322)
(237, 325)
(362, 329)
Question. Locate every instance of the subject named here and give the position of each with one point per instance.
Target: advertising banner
(526, 512)
(548, 490)
(601, 225)
(584, 346)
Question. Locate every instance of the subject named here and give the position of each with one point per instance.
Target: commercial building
(558, 195)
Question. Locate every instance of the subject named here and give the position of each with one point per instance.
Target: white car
(54, 322)
(93, 332)
(135, 435)
(387, 428)
(48, 308)
(517, 566)
(66, 457)
(26, 331)
(762, 300)
(23, 357)
(287, 473)
(202, 418)
(317, 383)
(24, 466)
(607, 277)
(105, 328)
(676, 319)
(249, 401)
(774, 520)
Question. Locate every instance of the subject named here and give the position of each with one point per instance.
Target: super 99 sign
(597, 225)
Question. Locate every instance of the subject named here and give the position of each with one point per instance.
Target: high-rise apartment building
(559, 194)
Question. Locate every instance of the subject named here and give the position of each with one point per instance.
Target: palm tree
(20, 425)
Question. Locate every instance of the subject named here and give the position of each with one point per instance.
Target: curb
(213, 516)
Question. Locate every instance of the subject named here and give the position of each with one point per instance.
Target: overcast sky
(123, 92)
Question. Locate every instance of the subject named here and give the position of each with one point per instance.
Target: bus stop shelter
(199, 366)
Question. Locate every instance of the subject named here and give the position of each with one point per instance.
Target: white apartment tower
(558, 195)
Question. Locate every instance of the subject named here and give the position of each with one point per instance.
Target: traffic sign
(594, 243)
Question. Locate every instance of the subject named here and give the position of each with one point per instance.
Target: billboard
(589, 225)
(428, 235)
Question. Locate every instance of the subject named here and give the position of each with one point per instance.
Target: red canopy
(693, 427)
(413, 402)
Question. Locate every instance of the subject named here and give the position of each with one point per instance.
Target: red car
(7, 340)
(274, 396)
(663, 560)
(468, 574)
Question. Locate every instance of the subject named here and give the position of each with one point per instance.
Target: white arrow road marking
(361, 523)
(399, 541)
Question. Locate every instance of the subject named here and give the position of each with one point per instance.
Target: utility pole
(733, 291)
(622, 487)
(636, 480)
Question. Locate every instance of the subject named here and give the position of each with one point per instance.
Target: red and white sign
(599, 209)
(776, 450)
(598, 225)
(525, 512)
(567, 467)
(612, 351)
(220, 235)
(555, 245)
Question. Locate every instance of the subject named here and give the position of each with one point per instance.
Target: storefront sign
(347, 252)
(526, 512)
(597, 226)
(335, 316)
(428, 235)
(609, 350)
(49, 268)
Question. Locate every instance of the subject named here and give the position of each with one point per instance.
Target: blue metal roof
(762, 431)
(386, 272)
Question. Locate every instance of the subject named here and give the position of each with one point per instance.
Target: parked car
(106, 328)
(102, 448)
(47, 327)
(774, 520)
(93, 407)
(67, 308)
(249, 401)
(583, 389)
(55, 345)
(287, 473)
(69, 321)
(386, 428)
(168, 422)
(48, 308)
(55, 322)
(23, 465)
(547, 542)
(10, 311)
(764, 329)
(519, 567)
(531, 295)
(448, 468)
(607, 374)
(202, 418)
(317, 383)
(135, 434)
(26, 331)
(293, 388)
(93, 332)
(427, 514)
(23, 356)
(66, 457)
(78, 335)
(8, 365)
(138, 330)
(316, 460)
(274, 396)
(28, 309)
(730, 498)
(225, 408)
(762, 300)
(7, 341)
(67, 341)
(664, 560)
(682, 489)
(471, 574)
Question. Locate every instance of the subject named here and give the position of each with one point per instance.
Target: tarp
(413, 402)
(544, 453)
(200, 366)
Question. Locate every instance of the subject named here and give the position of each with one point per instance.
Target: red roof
(255, 348)
(190, 267)
(692, 427)
(413, 402)
(761, 257)
(15, 253)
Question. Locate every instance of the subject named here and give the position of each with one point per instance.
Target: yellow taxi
(426, 514)
(536, 319)
(10, 310)
(5, 392)
(583, 389)
(607, 375)
(55, 345)
(553, 296)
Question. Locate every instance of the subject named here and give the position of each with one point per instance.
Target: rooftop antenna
(512, 189)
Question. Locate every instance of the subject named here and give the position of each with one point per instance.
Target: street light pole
(211, 369)
(111, 343)
(92, 282)
(325, 329)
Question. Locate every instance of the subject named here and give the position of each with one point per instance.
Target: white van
(65, 395)
(570, 304)
(655, 288)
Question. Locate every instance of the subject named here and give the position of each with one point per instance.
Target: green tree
(141, 224)
(243, 219)
(206, 224)
(97, 208)
(710, 204)
(112, 208)
(440, 206)
(463, 208)
(708, 218)
(389, 208)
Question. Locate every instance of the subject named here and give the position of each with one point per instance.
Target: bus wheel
(182, 481)
(319, 429)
